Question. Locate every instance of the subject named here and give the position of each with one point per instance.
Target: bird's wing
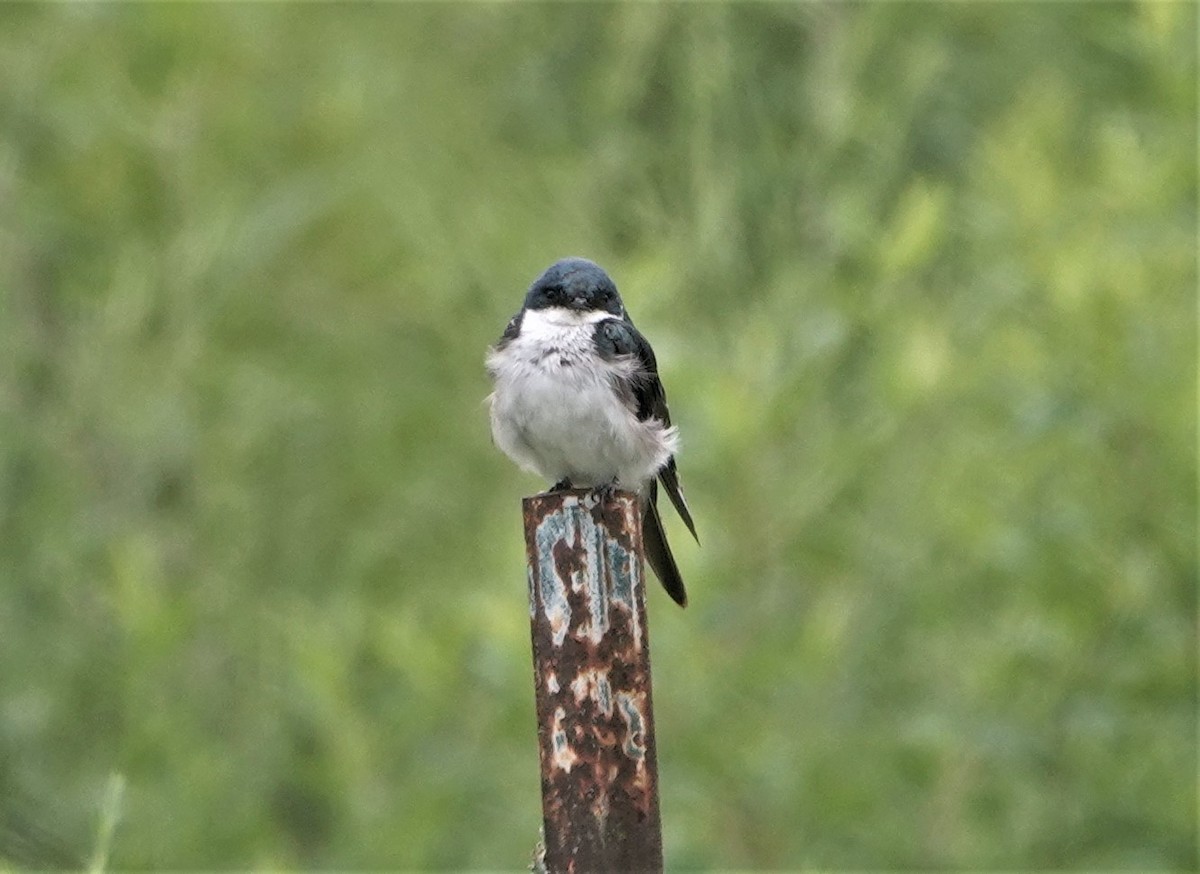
(511, 331)
(654, 541)
(670, 480)
(643, 390)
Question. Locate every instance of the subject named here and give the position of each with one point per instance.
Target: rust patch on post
(592, 670)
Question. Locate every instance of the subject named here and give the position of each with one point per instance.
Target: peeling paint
(627, 577)
(564, 755)
(592, 684)
(553, 531)
(604, 694)
(635, 723)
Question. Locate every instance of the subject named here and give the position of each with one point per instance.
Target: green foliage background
(922, 280)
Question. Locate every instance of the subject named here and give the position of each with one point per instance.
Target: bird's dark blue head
(577, 284)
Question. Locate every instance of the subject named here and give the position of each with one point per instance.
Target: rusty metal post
(591, 662)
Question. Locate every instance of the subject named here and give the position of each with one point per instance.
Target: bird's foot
(606, 491)
(562, 485)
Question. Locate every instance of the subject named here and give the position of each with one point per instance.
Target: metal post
(591, 662)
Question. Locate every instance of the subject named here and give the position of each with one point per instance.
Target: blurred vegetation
(922, 281)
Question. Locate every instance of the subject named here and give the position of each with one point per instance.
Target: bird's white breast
(555, 410)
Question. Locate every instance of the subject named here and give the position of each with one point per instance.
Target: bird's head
(575, 284)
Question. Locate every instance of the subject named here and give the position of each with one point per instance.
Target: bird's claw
(606, 491)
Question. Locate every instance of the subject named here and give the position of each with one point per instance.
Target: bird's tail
(658, 553)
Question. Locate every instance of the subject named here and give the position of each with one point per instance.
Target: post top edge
(574, 497)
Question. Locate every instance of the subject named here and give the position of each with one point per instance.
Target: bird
(577, 399)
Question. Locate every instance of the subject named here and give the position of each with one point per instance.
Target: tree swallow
(578, 400)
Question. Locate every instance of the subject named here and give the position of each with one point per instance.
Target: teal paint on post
(552, 595)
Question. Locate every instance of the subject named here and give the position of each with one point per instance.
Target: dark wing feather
(617, 337)
(670, 480)
(511, 331)
(654, 542)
